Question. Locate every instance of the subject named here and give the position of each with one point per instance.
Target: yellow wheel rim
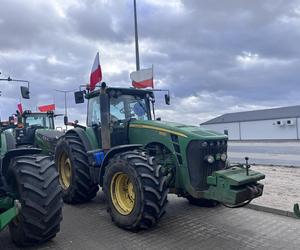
(122, 193)
(65, 171)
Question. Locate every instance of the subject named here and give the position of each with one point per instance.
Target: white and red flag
(46, 108)
(142, 78)
(20, 108)
(96, 73)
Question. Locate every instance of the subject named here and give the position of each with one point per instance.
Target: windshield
(125, 107)
(42, 121)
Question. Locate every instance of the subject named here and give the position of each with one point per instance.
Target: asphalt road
(270, 153)
(88, 226)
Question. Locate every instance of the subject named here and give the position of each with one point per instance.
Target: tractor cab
(37, 129)
(111, 113)
(29, 122)
(41, 120)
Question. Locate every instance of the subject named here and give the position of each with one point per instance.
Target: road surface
(88, 227)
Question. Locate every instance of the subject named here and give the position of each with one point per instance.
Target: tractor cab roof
(122, 91)
(28, 113)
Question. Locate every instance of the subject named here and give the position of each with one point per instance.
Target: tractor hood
(178, 129)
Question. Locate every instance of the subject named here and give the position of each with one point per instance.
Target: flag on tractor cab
(46, 108)
(142, 78)
(20, 108)
(96, 73)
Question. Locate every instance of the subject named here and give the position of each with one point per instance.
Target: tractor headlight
(224, 157)
(210, 159)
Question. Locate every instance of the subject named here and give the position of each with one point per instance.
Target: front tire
(34, 179)
(72, 164)
(136, 190)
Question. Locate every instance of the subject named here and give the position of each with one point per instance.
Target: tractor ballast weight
(138, 160)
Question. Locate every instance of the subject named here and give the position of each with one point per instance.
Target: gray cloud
(223, 56)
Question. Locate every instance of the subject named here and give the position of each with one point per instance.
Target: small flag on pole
(96, 73)
(142, 78)
(20, 108)
(46, 108)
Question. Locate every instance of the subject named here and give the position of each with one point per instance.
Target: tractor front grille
(198, 167)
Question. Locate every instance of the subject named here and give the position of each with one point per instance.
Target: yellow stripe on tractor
(156, 128)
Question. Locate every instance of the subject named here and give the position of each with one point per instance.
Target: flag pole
(137, 55)
(153, 108)
(152, 77)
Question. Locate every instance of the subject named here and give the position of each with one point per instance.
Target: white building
(268, 124)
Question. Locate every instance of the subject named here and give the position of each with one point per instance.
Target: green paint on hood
(188, 130)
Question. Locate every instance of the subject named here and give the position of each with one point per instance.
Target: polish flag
(20, 108)
(46, 108)
(96, 73)
(142, 78)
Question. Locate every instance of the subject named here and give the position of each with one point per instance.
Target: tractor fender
(83, 137)
(14, 153)
(113, 151)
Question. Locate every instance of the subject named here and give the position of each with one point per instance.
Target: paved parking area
(184, 226)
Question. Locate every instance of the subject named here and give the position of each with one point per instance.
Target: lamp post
(65, 93)
(137, 54)
(9, 79)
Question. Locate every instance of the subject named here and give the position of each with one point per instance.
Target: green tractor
(30, 194)
(37, 129)
(138, 160)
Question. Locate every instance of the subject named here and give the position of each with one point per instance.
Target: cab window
(126, 107)
(94, 117)
(42, 121)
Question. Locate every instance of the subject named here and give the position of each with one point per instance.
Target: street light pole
(8, 79)
(137, 54)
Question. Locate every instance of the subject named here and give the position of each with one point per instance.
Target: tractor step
(8, 215)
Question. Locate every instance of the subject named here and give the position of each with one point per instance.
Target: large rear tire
(135, 189)
(72, 164)
(34, 179)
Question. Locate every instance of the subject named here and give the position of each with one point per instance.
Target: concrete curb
(272, 210)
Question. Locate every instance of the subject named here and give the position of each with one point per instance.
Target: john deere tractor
(37, 129)
(138, 160)
(30, 194)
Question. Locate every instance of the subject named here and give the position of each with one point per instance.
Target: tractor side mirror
(79, 97)
(66, 120)
(11, 120)
(25, 92)
(167, 99)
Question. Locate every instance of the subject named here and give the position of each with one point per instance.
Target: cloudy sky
(214, 56)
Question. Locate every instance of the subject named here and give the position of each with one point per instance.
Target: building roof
(256, 115)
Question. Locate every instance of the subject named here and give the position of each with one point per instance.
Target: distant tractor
(37, 129)
(30, 194)
(297, 210)
(138, 160)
